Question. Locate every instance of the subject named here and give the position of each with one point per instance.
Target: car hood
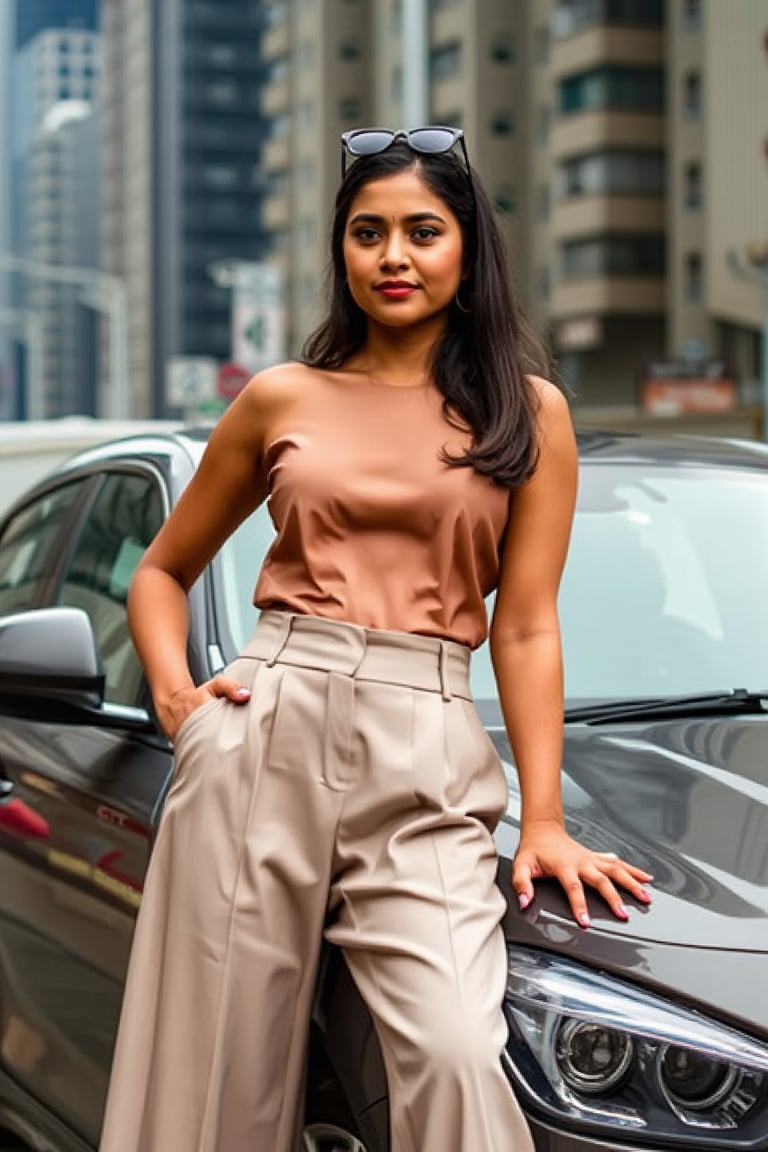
(687, 800)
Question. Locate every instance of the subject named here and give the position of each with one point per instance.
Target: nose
(394, 254)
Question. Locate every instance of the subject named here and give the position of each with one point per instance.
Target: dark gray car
(645, 1035)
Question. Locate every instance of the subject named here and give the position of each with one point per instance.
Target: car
(644, 1035)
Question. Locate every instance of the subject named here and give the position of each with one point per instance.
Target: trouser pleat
(365, 805)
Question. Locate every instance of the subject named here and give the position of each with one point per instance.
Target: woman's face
(403, 251)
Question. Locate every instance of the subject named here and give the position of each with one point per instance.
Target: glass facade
(617, 255)
(625, 89)
(33, 16)
(573, 16)
(221, 133)
(617, 172)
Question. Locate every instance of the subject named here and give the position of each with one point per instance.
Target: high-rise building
(183, 181)
(34, 16)
(56, 196)
(622, 141)
(7, 324)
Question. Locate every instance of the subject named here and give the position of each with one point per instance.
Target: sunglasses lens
(431, 139)
(368, 143)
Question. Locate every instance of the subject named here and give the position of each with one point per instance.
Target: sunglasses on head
(429, 141)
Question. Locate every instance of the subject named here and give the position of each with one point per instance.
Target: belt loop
(445, 686)
(283, 635)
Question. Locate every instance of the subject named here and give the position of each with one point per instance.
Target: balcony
(639, 47)
(595, 215)
(594, 131)
(605, 295)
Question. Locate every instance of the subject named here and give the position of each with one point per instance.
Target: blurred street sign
(231, 379)
(190, 380)
(258, 315)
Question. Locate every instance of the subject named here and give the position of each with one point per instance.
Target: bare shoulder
(277, 385)
(553, 412)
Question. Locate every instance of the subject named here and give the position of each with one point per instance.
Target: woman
(337, 778)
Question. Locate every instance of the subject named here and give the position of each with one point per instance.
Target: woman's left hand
(546, 849)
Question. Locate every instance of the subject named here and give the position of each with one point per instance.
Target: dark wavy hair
(481, 363)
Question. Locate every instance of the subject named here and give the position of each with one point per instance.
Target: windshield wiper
(739, 700)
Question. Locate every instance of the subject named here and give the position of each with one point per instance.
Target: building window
(693, 189)
(572, 16)
(445, 63)
(222, 93)
(275, 13)
(620, 172)
(502, 49)
(614, 256)
(277, 70)
(277, 183)
(692, 95)
(694, 278)
(505, 200)
(349, 50)
(502, 124)
(350, 108)
(630, 89)
(279, 126)
(219, 176)
(692, 15)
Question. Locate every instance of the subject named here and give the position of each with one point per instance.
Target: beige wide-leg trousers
(356, 791)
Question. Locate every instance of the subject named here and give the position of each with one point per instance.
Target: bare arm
(227, 486)
(527, 659)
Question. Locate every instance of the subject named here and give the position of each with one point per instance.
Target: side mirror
(49, 656)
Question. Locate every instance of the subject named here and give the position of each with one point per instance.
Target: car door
(76, 821)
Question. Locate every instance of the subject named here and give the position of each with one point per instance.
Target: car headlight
(612, 1058)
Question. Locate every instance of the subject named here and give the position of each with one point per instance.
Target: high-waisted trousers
(353, 795)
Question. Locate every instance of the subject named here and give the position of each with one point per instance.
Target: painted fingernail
(242, 693)
(584, 920)
(621, 911)
(523, 901)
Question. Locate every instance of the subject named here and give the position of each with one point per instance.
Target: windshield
(664, 590)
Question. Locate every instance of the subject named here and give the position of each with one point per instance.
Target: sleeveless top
(372, 527)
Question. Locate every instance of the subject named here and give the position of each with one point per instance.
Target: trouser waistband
(403, 658)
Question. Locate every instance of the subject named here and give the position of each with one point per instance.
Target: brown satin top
(372, 527)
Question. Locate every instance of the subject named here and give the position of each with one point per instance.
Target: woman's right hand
(174, 711)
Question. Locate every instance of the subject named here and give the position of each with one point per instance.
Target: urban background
(167, 170)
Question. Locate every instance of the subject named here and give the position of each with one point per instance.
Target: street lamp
(107, 295)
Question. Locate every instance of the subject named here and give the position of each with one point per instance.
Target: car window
(27, 547)
(123, 519)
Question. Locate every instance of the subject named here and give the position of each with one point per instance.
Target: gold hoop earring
(458, 303)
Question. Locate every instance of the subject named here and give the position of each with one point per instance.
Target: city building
(55, 202)
(10, 327)
(604, 130)
(182, 178)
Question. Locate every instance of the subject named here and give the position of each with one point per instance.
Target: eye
(366, 234)
(424, 233)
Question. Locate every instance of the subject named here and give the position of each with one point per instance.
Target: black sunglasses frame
(411, 138)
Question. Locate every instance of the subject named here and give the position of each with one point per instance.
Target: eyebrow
(414, 218)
